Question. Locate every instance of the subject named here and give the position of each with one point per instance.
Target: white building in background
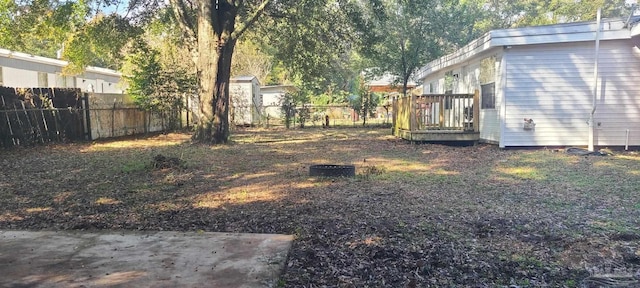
(272, 98)
(246, 100)
(537, 83)
(21, 70)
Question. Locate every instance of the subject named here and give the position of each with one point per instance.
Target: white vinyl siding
(27, 71)
(1, 82)
(619, 94)
(547, 83)
(19, 78)
(553, 83)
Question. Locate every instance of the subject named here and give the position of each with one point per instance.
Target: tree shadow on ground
(428, 215)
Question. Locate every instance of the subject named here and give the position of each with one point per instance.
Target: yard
(415, 215)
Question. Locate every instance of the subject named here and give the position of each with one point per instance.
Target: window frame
(488, 96)
(449, 82)
(43, 80)
(487, 82)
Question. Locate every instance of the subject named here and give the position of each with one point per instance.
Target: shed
(537, 83)
(246, 101)
(29, 71)
(272, 98)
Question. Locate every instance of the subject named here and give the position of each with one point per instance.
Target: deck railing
(451, 112)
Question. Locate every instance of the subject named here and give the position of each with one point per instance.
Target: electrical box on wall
(529, 124)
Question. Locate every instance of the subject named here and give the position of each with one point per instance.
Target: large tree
(402, 35)
(250, 59)
(212, 29)
(78, 31)
(509, 14)
(40, 26)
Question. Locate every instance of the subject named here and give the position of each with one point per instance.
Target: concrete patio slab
(140, 259)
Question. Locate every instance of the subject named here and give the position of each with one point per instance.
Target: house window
(488, 95)
(65, 81)
(61, 81)
(448, 82)
(43, 80)
(487, 82)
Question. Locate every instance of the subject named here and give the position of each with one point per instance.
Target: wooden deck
(440, 136)
(437, 118)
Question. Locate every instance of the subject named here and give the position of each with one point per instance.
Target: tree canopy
(399, 36)
(509, 14)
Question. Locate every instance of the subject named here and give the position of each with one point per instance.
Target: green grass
(133, 166)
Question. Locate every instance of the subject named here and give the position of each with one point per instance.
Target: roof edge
(55, 62)
(278, 86)
(611, 29)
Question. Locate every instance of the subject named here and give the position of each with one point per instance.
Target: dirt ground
(414, 216)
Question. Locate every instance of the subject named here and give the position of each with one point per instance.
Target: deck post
(441, 110)
(412, 112)
(476, 111)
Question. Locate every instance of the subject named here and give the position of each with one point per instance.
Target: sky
(120, 9)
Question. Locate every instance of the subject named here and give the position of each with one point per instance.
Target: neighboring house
(537, 83)
(246, 100)
(22, 70)
(272, 97)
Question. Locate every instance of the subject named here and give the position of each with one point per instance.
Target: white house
(272, 97)
(537, 83)
(22, 70)
(246, 100)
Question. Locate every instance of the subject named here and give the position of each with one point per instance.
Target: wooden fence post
(6, 114)
(476, 111)
(113, 119)
(87, 113)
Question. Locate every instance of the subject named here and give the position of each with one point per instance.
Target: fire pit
(330, 170)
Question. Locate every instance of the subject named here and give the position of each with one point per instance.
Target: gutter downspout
(595, 85)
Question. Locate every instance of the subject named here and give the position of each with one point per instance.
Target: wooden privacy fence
(41, 115)
(116, 115)
(30, 116)
(436, 112)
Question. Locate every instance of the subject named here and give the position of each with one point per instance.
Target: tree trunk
(206, 67)
(215, 46)
(221, 107)
(405, 81)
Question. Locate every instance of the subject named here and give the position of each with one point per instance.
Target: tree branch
(184, 21)
(252, 19)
